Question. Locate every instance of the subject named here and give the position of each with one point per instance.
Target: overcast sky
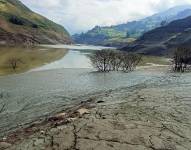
(81, 15)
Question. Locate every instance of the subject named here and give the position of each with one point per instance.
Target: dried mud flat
(155, 115)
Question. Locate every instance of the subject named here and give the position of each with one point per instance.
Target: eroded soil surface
(148, 116)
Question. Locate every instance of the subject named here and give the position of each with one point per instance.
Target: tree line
(110, 60)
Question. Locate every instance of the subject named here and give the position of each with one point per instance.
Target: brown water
(28, 96)
(29, 58)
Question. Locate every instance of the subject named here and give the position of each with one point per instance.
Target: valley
(121, 85)
(122, 34)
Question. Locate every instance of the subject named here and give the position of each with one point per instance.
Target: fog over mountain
(82, 15)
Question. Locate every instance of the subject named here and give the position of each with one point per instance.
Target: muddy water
(26, 97)
(55, 86)
(27, 58)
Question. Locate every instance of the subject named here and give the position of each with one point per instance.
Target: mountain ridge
(163, 40)
(130, 31)
(19, 24)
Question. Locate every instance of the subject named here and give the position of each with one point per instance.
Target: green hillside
(119, 35)
(20, 24)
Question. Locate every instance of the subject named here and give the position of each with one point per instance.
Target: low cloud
(81, 15)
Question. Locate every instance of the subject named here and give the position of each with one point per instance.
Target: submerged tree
(100, 60)
(110, 60)
(130, 61)
(182, 59)
(13, 62)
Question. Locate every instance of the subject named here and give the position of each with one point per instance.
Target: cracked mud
(154, 116)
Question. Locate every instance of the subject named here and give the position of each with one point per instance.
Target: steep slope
(18, 24)
(163, 40)
(123, 33)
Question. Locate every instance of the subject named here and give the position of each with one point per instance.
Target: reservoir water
(53, 87)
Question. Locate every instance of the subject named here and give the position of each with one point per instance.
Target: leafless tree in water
(130, 61)
(13, 62)
(110, 60)
(182, 59)
(100, 60)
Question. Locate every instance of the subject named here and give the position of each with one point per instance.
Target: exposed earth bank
(155, 115)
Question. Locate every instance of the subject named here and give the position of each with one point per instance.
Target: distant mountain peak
(117, 34)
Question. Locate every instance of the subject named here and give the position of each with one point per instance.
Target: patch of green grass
(119, 40)
(106, 32)
(147, 60)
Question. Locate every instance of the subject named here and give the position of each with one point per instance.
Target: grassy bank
(29, 58)
(148, 60)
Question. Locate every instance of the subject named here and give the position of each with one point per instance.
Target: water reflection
(29, 58)
(78, 47)
(73, 59)
(48, 89)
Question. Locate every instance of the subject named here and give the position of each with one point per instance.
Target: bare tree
(110, 60)
(99, 60)
(130, 61)
(115, 60)
(181, 59)
(13, 62)
(134, 60)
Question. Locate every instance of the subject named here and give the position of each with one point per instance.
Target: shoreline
(78, 103)
(140, 108)
(70, 114)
